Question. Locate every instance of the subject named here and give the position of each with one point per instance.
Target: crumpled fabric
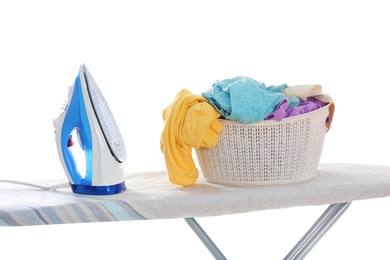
(305, 91)
(283, 111)
(190, 122)
(246, 100)
(314, 91)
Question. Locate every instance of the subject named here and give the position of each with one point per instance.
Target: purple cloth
(282, 110)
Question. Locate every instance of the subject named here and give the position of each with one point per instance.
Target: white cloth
(305, 91)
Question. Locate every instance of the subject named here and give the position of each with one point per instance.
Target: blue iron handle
(76, 118)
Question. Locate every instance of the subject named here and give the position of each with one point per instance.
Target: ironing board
(150, 195)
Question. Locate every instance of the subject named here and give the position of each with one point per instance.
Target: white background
(141, 53)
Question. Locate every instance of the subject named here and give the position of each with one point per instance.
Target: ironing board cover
(150, 195)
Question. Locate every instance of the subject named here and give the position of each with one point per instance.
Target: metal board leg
(205, 239)
(317, 231)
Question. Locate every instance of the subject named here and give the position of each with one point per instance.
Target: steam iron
(87, 115)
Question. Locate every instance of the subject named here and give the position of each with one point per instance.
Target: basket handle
(331, 113)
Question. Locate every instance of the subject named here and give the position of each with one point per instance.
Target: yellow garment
(190, 122)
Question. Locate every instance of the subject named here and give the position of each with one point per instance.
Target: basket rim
(274, 122)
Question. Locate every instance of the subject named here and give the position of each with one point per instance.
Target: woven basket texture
(269, 152)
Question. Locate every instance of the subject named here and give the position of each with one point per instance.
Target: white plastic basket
(269, 152)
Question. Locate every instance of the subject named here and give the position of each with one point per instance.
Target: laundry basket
(268, 152)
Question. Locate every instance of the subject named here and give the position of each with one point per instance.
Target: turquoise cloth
(246, 100)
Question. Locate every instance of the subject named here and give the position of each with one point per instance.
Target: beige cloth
(315, 91)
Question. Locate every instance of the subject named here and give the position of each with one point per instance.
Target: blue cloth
(246, 100)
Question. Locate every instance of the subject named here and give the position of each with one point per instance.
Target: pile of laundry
(192, 121)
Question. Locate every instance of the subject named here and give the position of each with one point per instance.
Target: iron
(86, 114)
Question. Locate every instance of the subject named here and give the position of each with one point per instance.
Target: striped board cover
(150, 195)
